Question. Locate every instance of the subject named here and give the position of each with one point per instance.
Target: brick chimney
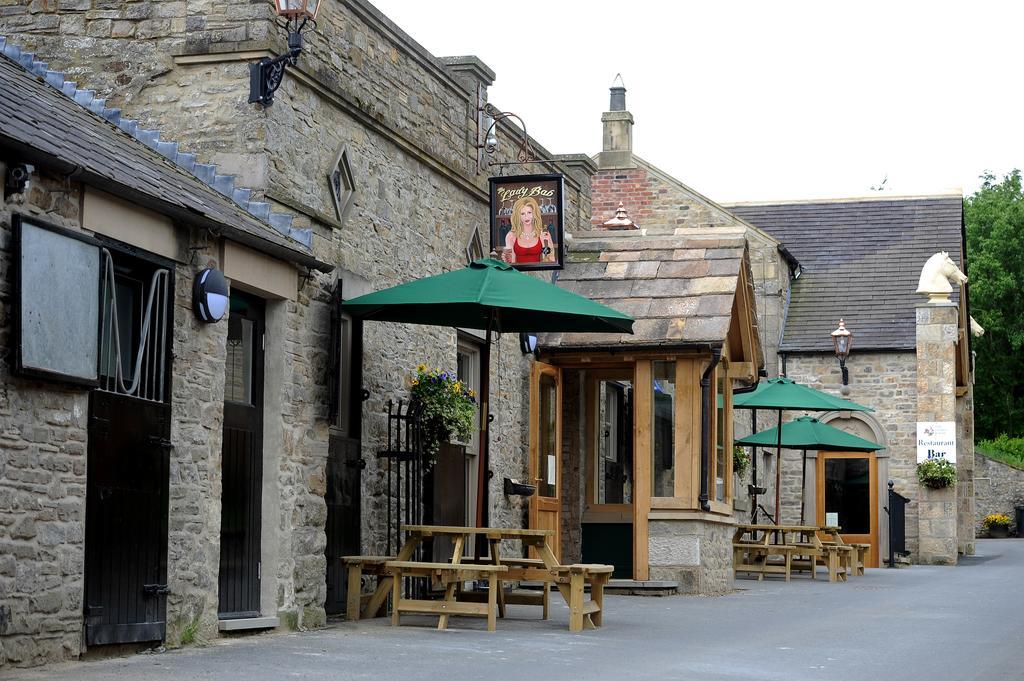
(617, 149)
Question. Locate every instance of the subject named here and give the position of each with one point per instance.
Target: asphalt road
(919, 623)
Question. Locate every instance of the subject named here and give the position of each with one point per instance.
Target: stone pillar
(936, 401)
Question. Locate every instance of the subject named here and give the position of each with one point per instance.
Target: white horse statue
(937, 277)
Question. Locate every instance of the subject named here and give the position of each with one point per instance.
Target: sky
(769, 100)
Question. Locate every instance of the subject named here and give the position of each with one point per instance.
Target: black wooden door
(126, 519)
(242, 461)
(344, 467)
(344, 459)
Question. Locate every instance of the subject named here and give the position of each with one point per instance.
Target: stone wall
(695, 553)
(887, 382)
(998, 488)
(43, 430)
(197, 399)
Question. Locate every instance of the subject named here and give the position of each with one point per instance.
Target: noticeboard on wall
(56, 302)
(527, 213)
(936, 440)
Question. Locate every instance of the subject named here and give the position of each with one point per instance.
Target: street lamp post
(842, 339)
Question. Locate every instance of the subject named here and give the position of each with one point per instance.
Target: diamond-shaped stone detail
(343, 188)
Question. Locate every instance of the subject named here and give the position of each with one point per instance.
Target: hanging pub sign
(526, 221)
(936, 440)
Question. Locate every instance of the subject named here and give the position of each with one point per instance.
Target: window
(467, 362)
(134, 327)
(613, 472)
(343, 188)
(721, 445)
(663, 407)
(547, 459)
(238, 366)
(344, 414)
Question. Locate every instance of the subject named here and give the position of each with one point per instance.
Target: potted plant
(936, 473)
(740, 461)
(447, 408)
(997, 524)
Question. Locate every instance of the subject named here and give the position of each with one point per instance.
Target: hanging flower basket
(936, 473)
(447, 408)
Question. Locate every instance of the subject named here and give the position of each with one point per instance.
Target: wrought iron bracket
(265, 76)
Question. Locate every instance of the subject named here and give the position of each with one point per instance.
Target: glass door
(848, 497)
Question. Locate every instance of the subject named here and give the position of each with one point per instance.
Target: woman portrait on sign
(528, 241)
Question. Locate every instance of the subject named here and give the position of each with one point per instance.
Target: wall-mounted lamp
(210, 296)
(487, 138)
(842, 339)
(266, 75)
(527, 343)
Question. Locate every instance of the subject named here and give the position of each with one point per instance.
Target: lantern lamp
(842, 340)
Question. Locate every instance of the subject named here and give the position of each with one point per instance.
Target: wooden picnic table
(570, 579)
(797, 547)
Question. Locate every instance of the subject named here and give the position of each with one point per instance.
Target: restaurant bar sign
(526, 221)
(936, 440)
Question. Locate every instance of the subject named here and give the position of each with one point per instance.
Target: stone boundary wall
(998, 488)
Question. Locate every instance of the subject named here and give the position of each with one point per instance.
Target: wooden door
(345, 462)
(242, 461)
(344, 498)
(129, 455)
(546, 450)
(126, 519)
(847, 487)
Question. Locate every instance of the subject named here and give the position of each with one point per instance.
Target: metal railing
(145, 375)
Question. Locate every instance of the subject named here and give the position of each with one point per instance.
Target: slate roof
(861, 260)
(48, 120)
(680, 288)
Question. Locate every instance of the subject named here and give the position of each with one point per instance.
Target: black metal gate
(896, 508)
(129, 455)
(242, 461)
(404, 463)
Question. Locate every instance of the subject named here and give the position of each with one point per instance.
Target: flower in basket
(997, 520)
(740, 461)
(936, 473)
(448, 407)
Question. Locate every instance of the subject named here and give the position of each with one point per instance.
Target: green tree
(994, 217)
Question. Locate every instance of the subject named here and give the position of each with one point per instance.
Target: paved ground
(918, 623)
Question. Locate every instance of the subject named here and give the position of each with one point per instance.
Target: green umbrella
(808, 432)
(491, 295)
(784, 393)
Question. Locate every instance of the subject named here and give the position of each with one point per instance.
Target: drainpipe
(705, 427)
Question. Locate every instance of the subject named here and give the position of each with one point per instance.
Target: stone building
(369, 171)
(111, 473)
(814, 262)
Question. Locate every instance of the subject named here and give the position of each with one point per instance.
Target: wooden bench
(450, 574)
(833, 556)
(574, 578)
(755, 557)
(356, 567)
(860, 556)
(516, 566)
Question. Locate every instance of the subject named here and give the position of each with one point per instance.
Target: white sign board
(936, 440)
